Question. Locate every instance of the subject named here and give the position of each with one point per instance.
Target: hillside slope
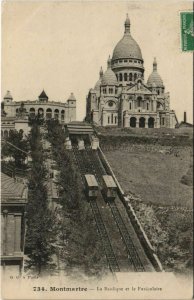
(156, 172)
(155, 176)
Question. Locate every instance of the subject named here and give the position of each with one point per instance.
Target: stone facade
(122, 98)
(16, 114)
(13, 205)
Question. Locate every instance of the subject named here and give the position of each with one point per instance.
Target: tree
(17, 147)
(41, 231)
(40, 236)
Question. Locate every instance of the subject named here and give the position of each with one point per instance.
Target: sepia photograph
(96, 149)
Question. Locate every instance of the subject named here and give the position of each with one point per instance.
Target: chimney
(185, 117)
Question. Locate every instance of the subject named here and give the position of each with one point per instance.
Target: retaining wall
(133, 218)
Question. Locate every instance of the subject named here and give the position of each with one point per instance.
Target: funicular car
(91, 186)
(110, 187)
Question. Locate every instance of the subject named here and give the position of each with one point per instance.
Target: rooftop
(11, 189)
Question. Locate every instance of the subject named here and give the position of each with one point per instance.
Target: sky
(60, 47)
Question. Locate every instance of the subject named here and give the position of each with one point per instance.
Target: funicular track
(85, 168)
(133, 255)
(99, 170)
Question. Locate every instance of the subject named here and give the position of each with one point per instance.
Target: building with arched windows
(122, 98)
(16, 114)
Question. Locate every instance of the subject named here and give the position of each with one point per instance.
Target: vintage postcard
(96, 150)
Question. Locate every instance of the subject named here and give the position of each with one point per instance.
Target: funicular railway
(85, 168)
(117, 235)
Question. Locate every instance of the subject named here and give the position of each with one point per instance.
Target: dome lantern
(127, 25)
(101, 72)
(109, 62)
(155, 64)
(98, 83)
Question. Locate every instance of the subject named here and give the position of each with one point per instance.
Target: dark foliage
(82, 248)
(40, 220)
(16, 139)
(170, 232)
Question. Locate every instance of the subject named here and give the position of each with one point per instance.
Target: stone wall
(133, 218)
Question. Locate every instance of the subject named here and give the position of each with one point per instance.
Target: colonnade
(46, 113)
(139, 121)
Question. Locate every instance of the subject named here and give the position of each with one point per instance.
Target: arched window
(115, 119)
(5, 134)
(56, 114)
(11, 131)
(147, 106)
(41, 112)
(142, 122)
(32, 112)
(125, 76)
(139, 101)
(48, 113)
(130, 106)
(117, 76)
(121, 77)
(62, 115)
(130, 76)
(151, 122)
(133, 122)
(21, 132)
(17, 109)
(135, 76)
(158, 92)
(112, 118)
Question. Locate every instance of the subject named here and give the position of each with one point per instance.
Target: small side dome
(8, 96)
(43, 96)
(155, 79)
(98, 84)
(72, 97)
(109, 77)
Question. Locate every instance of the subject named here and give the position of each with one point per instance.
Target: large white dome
(127, 47)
